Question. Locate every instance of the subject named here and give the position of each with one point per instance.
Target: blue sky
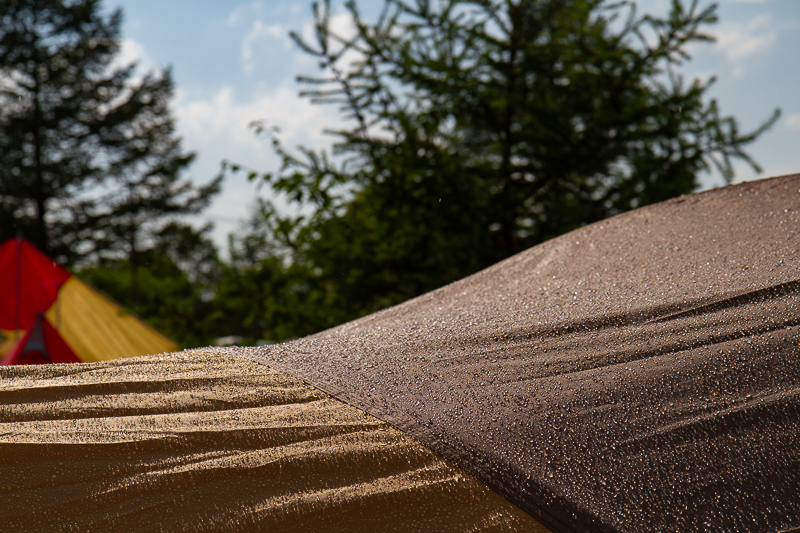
(233, 63)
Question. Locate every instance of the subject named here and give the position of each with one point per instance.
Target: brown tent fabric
(203, 441)
(639, 374)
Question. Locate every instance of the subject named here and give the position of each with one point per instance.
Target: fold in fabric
(203, 441)
(639, 374)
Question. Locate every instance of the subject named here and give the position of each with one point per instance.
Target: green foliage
(472, 130)
(89, 163)
(172, 287)
(262, 295)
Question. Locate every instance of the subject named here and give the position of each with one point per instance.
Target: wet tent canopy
(639, 374)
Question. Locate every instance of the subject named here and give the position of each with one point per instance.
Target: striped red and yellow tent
(49, 315)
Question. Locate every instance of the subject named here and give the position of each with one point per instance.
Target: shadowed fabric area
(639, 374)
(204, 441)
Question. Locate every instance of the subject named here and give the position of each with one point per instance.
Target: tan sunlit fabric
(97, 329)
(203, 441)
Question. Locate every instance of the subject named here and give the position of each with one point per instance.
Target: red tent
(41, 344)
(77, 322)
(29, 280)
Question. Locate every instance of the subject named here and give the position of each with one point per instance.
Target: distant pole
(18, 307)
(58, 311)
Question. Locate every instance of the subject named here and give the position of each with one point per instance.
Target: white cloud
(133, 51)
(259, 37)
(741, 40)
(219, 128)
(240, 13)
(792, 121)
(224, 120)
(341, 25)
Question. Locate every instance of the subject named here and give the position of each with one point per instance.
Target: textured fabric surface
(202, 441)
(639, 374)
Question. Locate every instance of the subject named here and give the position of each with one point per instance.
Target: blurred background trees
(470, 130)
(473, 130)
(90, 166)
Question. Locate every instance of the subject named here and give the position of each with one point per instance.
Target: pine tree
(472, 130)
(89, 161)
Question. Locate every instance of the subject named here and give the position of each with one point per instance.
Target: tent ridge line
(436, 444)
